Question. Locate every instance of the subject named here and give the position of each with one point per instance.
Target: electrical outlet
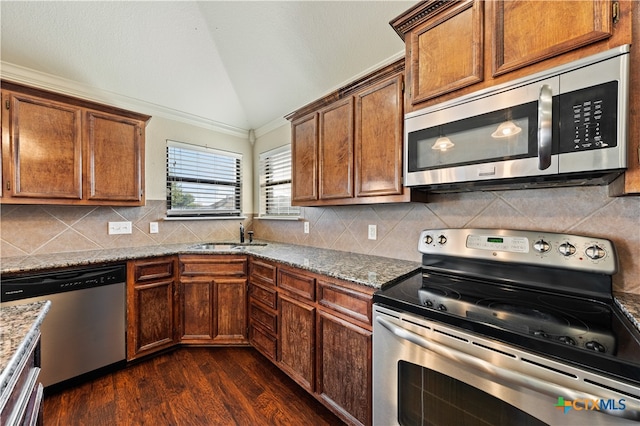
(153, 227)
(306, 227)
(373, 232)
(119, 228)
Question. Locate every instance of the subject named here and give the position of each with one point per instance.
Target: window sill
(171, 218)
(278, 218)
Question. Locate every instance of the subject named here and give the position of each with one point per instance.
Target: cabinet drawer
(346, 301)
(152, 269)
(267, 319)
(263, 341)
(213, 265)
(263, 271)
(297, 284)
(266, 296)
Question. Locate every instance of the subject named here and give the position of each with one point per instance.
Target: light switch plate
(153, 227)
(306, 227)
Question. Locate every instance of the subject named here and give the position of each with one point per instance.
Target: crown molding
(41, 80)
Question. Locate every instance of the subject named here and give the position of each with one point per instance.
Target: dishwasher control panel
(39, 284)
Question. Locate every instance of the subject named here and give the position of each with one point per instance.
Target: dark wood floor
(190, 386)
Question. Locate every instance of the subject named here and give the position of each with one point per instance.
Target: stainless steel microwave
(565, 126)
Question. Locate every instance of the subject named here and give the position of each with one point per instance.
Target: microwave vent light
(443, 143)
(506, 129)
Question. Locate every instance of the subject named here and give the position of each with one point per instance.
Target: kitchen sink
(224, 246)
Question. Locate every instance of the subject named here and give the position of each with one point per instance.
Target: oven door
(428, 373)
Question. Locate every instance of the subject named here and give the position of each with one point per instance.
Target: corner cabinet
(347, 146)
(152, 320)
(213, 299)
(62, 150)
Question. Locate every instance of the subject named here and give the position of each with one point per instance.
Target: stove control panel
(518, 246)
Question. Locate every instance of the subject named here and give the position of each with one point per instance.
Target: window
(203, 181)
(275, 184)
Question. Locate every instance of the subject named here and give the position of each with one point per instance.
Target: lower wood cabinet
(297, 341)
(344, 367)
(213, 299)
(317, 330)
(151, 312)
(263, 304)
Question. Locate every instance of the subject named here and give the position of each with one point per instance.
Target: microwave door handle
(545, 110)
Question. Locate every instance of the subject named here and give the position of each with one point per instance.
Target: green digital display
(495, 240)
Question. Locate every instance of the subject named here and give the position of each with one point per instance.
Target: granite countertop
(371, 271)
(19, 326)
(629, 303)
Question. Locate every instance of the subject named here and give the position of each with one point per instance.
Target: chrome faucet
(241, 233)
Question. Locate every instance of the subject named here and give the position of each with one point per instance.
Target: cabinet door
(336, 150)
(445, 53)
(296, 353)
(378, 139)
(196, 309)
(344, 367)
(42, 143)
(114, 156)
(230, 306)
(522, 38)
(304, 159)
(151, 313)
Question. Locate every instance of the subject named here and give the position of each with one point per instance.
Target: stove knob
(567, 249)
(595, 252)
(442, 308)
(428, 239)
(428, 303)
(442, 239)
(595, 346)
(540, 333)
(568, 340)
(541, 246)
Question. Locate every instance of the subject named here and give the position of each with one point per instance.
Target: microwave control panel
(588, 118)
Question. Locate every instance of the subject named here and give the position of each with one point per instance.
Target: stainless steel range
(505, 327)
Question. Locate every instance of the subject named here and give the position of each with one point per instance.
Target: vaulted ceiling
(236, 64)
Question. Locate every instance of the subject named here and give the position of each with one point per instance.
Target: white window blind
(202, 181)
(275, 183)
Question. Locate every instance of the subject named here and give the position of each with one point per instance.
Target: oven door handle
(534, 383)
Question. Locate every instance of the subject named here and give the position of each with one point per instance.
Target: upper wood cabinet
(521, 37)
(445, 52)
(114, 158)
(304, 159)
(62, 150)
(347, 146)
(457, 47)
(379, 128)
(336, 150)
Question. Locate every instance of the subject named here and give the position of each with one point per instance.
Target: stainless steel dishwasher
(85, 327)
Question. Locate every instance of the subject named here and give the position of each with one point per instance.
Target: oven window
(427, 397)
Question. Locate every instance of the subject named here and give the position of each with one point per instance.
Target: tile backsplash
(43, 229)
